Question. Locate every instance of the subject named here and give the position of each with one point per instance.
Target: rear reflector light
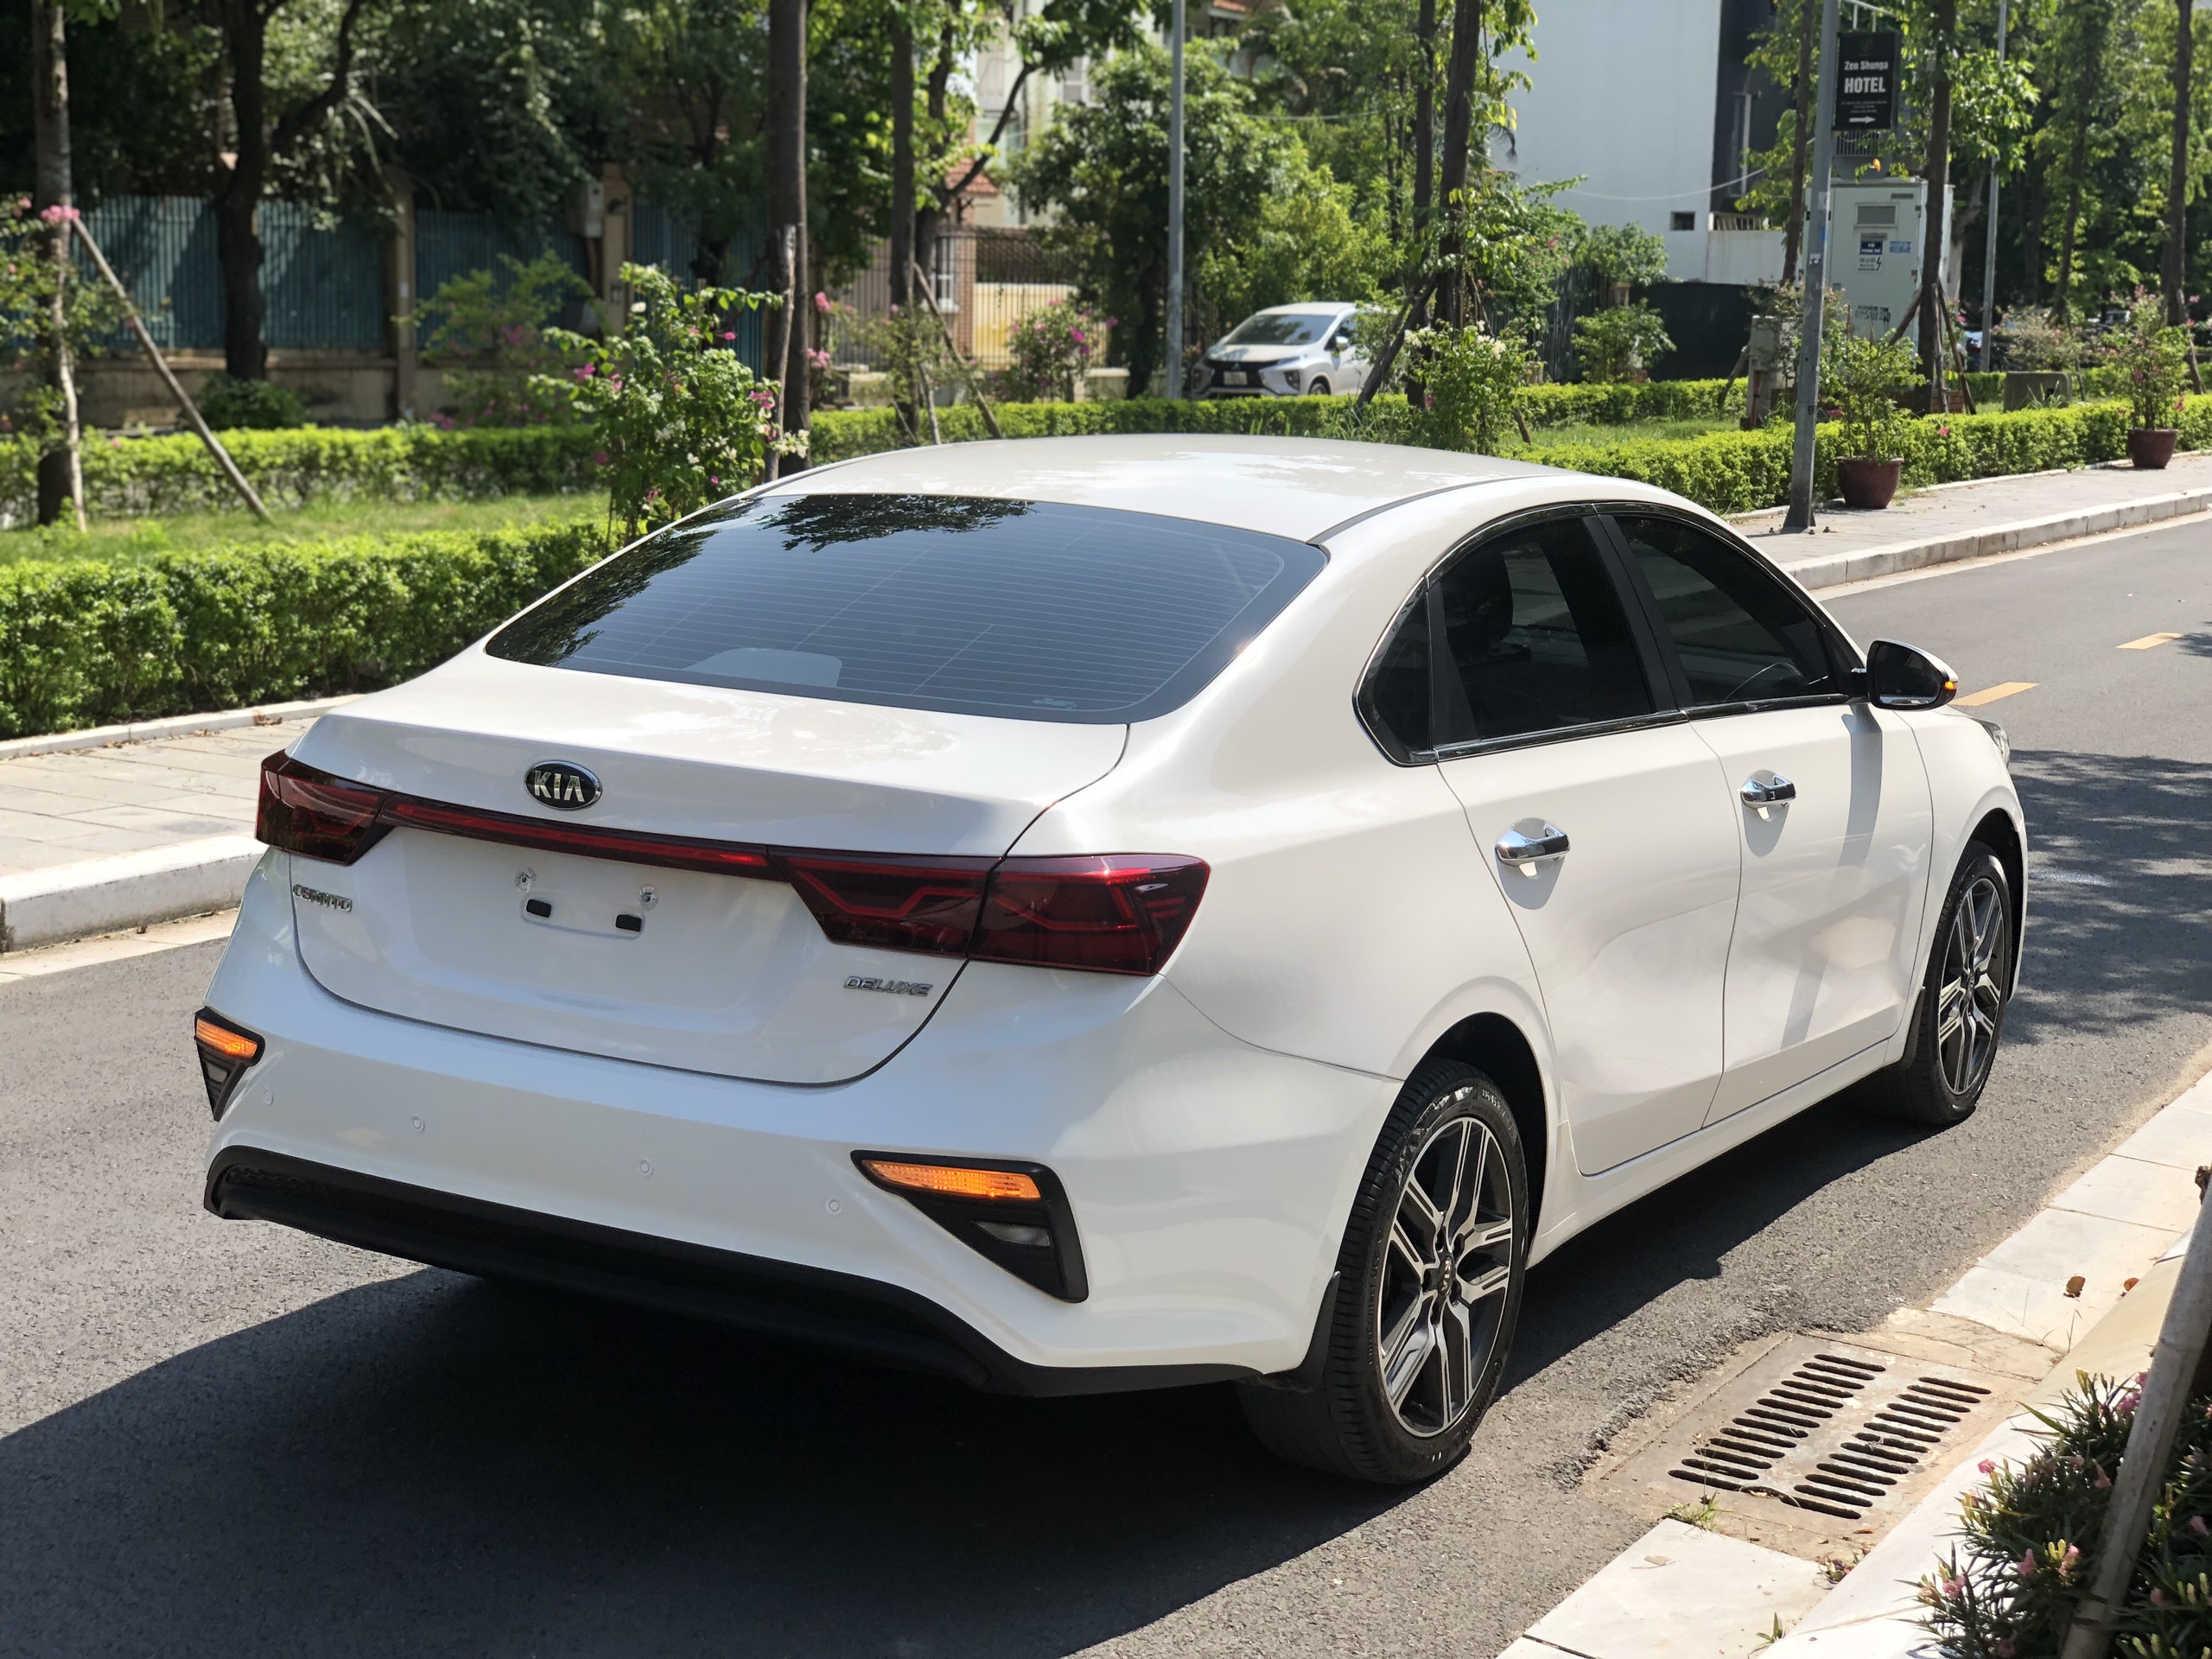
(955, 1181)
(226, 1050)
(1016, 1215)
(1120, 913)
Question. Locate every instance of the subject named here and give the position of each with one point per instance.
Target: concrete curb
(1897, 556)
(105, 895)
(145, 731)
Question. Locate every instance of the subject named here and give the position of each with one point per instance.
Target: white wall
(1624, 92)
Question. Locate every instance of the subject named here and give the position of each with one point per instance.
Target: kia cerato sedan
(1099, 913)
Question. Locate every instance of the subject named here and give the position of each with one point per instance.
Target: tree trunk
(1935, 306)
(2062, 302)
(1795, 230)
(237, 198)
(1424, 120)
(2176, 263)
(2031, 228)
(902, 163)
(787, 195)
(60, 472)
(942, 197)
(1459, 123)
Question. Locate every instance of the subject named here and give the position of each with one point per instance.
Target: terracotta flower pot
(2152, 447)
(1867, 483)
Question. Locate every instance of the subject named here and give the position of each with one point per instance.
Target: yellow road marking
(2149, 640)
(2011, 688)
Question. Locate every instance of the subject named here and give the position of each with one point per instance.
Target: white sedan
(1101, 913)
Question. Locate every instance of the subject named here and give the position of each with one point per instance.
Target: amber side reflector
(225, 1053)
(230, 1044)
(952, 1181)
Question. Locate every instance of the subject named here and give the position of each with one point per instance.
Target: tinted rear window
(1018, 608)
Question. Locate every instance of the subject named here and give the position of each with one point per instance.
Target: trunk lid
(706, 972)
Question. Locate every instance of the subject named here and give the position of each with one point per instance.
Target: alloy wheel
(1971, 999)
(1446, 1269)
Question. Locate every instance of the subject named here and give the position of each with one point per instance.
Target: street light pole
(1175, 346)
(1816, 279)
(1989, 243)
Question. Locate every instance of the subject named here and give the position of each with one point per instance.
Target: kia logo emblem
(562, 784)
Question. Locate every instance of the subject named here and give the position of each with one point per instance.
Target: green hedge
(1742, 472)
(175, 474)
(84, 642)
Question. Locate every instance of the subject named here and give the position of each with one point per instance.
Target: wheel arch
(1493, 1046)
(2001, 835)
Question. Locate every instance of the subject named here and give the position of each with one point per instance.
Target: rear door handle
(1524, 847)
(1764, 789)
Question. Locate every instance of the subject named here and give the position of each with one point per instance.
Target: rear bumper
(782, 1299)
(1209, 1180)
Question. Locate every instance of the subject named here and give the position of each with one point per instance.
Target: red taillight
(308, 812)
(894, 904)
(586, 841)
(1122, 913)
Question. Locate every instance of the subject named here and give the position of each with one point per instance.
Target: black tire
(1970, 971)
(1444, 1353)
(1317, 388)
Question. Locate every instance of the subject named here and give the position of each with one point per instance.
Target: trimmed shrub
(85, 643)
(126, 476)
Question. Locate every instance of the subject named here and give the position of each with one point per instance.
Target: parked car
(1099, 913)
(1287, 351)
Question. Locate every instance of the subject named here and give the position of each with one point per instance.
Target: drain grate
(1836, 1433)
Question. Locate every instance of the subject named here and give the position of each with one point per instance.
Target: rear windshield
(1019, 608)
(1279, 328)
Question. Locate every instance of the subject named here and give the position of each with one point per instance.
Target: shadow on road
(428, 1465)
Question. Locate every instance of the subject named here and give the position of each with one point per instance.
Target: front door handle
(1529, 844)
(1765, 789)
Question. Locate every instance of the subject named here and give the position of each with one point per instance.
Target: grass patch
(130, 541)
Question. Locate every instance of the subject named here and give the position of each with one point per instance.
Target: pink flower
(2197, 1525)
(1075, 335)
(2157, 1598)
(59, 214)
(2026, 1567)
(821, 302)
(729, 334)
(817, 359)
(1987, 1466)
(599, 457)
(2069, 1561)
(584, 372)
(2103, 1482)
(2125, 1406)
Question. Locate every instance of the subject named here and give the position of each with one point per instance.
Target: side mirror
(1899, 675)
(1341, 343)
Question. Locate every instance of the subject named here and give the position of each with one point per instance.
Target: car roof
(1304, 307)
(1298, 487)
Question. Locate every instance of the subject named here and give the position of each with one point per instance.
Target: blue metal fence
(325, 287)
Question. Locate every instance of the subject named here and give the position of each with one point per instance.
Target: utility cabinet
(1877, 240)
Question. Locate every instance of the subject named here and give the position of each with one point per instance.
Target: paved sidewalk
(84, 804)
(2115, 1227)
(1993, 515)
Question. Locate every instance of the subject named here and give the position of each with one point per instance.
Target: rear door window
(1536, 639)
(1025, 609)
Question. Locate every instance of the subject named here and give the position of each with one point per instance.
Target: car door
(1830, 802)
(1596, 810)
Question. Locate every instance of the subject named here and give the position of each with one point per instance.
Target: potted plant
(1869, 380)
(2151, 359)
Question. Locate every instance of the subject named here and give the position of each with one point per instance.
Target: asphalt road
(225, 1437)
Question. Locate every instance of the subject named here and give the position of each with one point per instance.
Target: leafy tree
(1620, 340)
(1309, 243)
(1105, 169)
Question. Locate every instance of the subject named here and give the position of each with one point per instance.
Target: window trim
(1844, 657)
(1604, 542)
